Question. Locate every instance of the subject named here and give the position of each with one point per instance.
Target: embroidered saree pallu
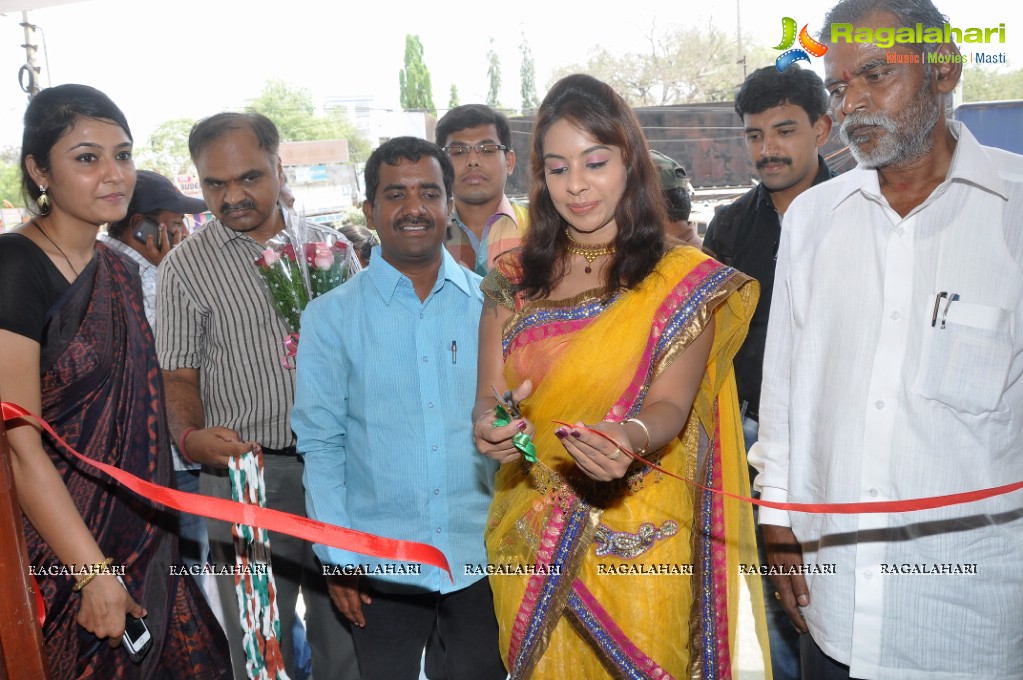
(635, 578)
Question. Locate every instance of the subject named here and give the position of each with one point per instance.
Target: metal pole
(740, 58)
(29, 73)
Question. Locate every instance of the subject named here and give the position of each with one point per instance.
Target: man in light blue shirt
(386, 385)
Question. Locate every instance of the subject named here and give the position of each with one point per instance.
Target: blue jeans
(783, 637)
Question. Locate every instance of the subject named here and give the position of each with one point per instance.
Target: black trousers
(458, 631)
(816, 665)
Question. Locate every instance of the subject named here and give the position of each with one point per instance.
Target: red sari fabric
(102, 392)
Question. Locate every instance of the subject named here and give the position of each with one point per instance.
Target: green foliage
(355, 216)
(293, 112)
(453, 97)
(416, 91)
(166, 151)
(527, 78)
(10, 184)
(682, 64)
(984, 84)
(494, 76)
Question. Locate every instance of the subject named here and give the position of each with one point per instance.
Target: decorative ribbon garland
(522, 441)
(252, 515)
(254, 581)
(860, 508)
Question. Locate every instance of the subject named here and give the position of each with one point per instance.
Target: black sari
(102, 392)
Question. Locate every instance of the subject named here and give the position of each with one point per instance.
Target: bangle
(181, 443)
(643, 427)
(95, 571)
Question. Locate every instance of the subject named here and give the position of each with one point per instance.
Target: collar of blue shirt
(385, 277)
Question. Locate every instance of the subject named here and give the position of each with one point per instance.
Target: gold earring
(43, 202)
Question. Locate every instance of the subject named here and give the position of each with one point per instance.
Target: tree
(494, 76)
(982, 84)
(414, 79)
(10, 177)
(166, 151)
(10, 185)
(293, 112)
(527, 78)
(453, 97)
(681, 65)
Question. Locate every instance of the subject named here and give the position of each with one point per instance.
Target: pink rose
(270, 257)
(323, 258)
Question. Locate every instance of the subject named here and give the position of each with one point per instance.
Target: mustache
(244, 205)
(764, 162)
(855, 120)
(403, 222)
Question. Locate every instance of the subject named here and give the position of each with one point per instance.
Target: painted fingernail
(522, 425)
(560, 433)
(577, 434)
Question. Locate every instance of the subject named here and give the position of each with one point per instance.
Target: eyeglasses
(485, 150)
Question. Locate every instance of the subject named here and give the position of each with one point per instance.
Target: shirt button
(436, 492)
(434, 447)
(879, 404)
(867, 574)
(873, 493)
(900, 231)
(426, 360)
(430, 405)
(896, 316)
(438, 530)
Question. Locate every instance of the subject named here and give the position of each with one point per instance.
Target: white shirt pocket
(966, 356)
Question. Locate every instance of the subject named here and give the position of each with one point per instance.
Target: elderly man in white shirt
(894, 370)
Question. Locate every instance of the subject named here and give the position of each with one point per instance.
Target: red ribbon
(860, 508)
(291, 351)
(253, 515)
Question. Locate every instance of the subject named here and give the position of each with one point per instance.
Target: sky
(191, 58)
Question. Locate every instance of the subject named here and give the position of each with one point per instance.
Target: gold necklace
(588, 251)
(59, 249)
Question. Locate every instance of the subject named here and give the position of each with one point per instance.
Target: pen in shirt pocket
(454, 352)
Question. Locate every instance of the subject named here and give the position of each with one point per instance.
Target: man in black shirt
(785, 120)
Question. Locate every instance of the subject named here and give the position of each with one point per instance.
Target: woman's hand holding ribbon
(602, 458)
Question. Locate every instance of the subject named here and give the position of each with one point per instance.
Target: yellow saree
(636, 578)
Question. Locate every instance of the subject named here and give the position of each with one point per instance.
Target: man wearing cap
(484, 222)
(784, 120)
(156, 203)
(675, 189)
(154, 224)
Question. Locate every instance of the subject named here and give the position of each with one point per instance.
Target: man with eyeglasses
(484, 222)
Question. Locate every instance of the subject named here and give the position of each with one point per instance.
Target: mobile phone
(136, 638)
(147, 227)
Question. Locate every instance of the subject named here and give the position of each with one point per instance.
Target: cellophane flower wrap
(328, 262)
(281, 272)
(301, 263)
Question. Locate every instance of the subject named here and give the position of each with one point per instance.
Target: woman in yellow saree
(606, 566)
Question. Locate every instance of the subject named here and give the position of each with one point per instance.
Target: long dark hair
(53, 112)
(598, 110)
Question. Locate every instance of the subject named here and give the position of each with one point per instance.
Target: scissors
(507, 410)
(507, 402)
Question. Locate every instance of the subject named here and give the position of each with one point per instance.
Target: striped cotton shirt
(213, 315)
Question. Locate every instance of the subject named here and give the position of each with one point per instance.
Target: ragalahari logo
(788, 36)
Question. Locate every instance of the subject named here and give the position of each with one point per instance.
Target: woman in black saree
(76, 348)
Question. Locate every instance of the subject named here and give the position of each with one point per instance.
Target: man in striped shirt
(219, 343)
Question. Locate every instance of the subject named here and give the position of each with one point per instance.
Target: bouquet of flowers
(299, 264)
(284, 282)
